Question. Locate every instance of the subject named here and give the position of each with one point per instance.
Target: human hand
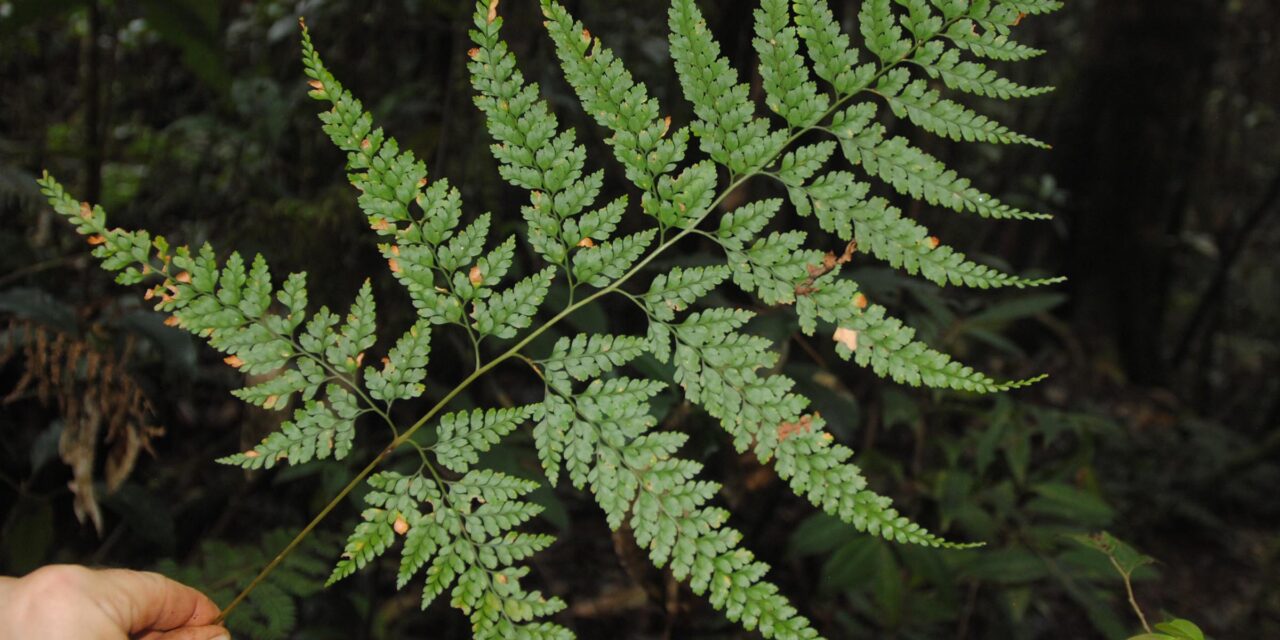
(67, 602)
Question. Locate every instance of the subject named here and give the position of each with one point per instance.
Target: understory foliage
(829, 140)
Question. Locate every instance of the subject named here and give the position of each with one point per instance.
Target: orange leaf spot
(586, 243)
(270, 402)
(493, 10)
(934, 242)
(183, 277)
(86, 211)
(395, 265)
(96, 240)
(365, 144)
(586, 36)
(846, 337)
(251, 454)
(172, 321)
(473, 53)
(233, 361)
(317, 85)
(788, 429)
(860, 301)
(401, 525)
(475, 276)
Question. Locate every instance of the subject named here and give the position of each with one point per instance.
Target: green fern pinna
(457, 527)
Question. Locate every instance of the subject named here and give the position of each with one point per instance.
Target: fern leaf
(635, 479)
(1033, 7)
(681, 201)
(885, 233)
(465, 246)
(464, 436)
(727, 128)
(584, 356)
(604, 263)
(828, 47)
(404, 369)
(676, 290)
(513, 309)
(718, 370)
(796, 167)
(773, 266)
(533, 152)
(356, 335)
(317, 431)
(469, 547)
(874, 339)
(617, 102)
(790, 93)
(740, 226)
(389, 181)
(970, 77)
(832, 198)
(913, 172)
(229, 306)
(554, 418)
(937, 115)
(881, 32)
(989, 43)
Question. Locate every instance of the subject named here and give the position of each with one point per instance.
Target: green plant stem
(736, 181)
(1128, 587)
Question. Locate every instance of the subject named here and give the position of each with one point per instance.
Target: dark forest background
(1160, 421)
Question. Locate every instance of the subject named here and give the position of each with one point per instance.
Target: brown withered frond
(98, 399)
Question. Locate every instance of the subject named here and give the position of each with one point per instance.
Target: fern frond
(1033, 7)
(617, 102)
(584, 356)
(318, 430)
(634, 477)
(989, 43)
(462, 533)
(881, 33)
(513, 309)
(402, 374)
(463, 436)
(677, 289)
(606, 262)
(928, 110)
(911, 171)
(969, 77)
(828, 47)
(717, 367)
(885, 233)
(789, 90)
(534, 154)
(231, 307)
(872, 338)
(727, 128)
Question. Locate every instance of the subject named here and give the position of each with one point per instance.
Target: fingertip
(196, 633)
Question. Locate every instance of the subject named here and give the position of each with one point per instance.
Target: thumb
(193, 633)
